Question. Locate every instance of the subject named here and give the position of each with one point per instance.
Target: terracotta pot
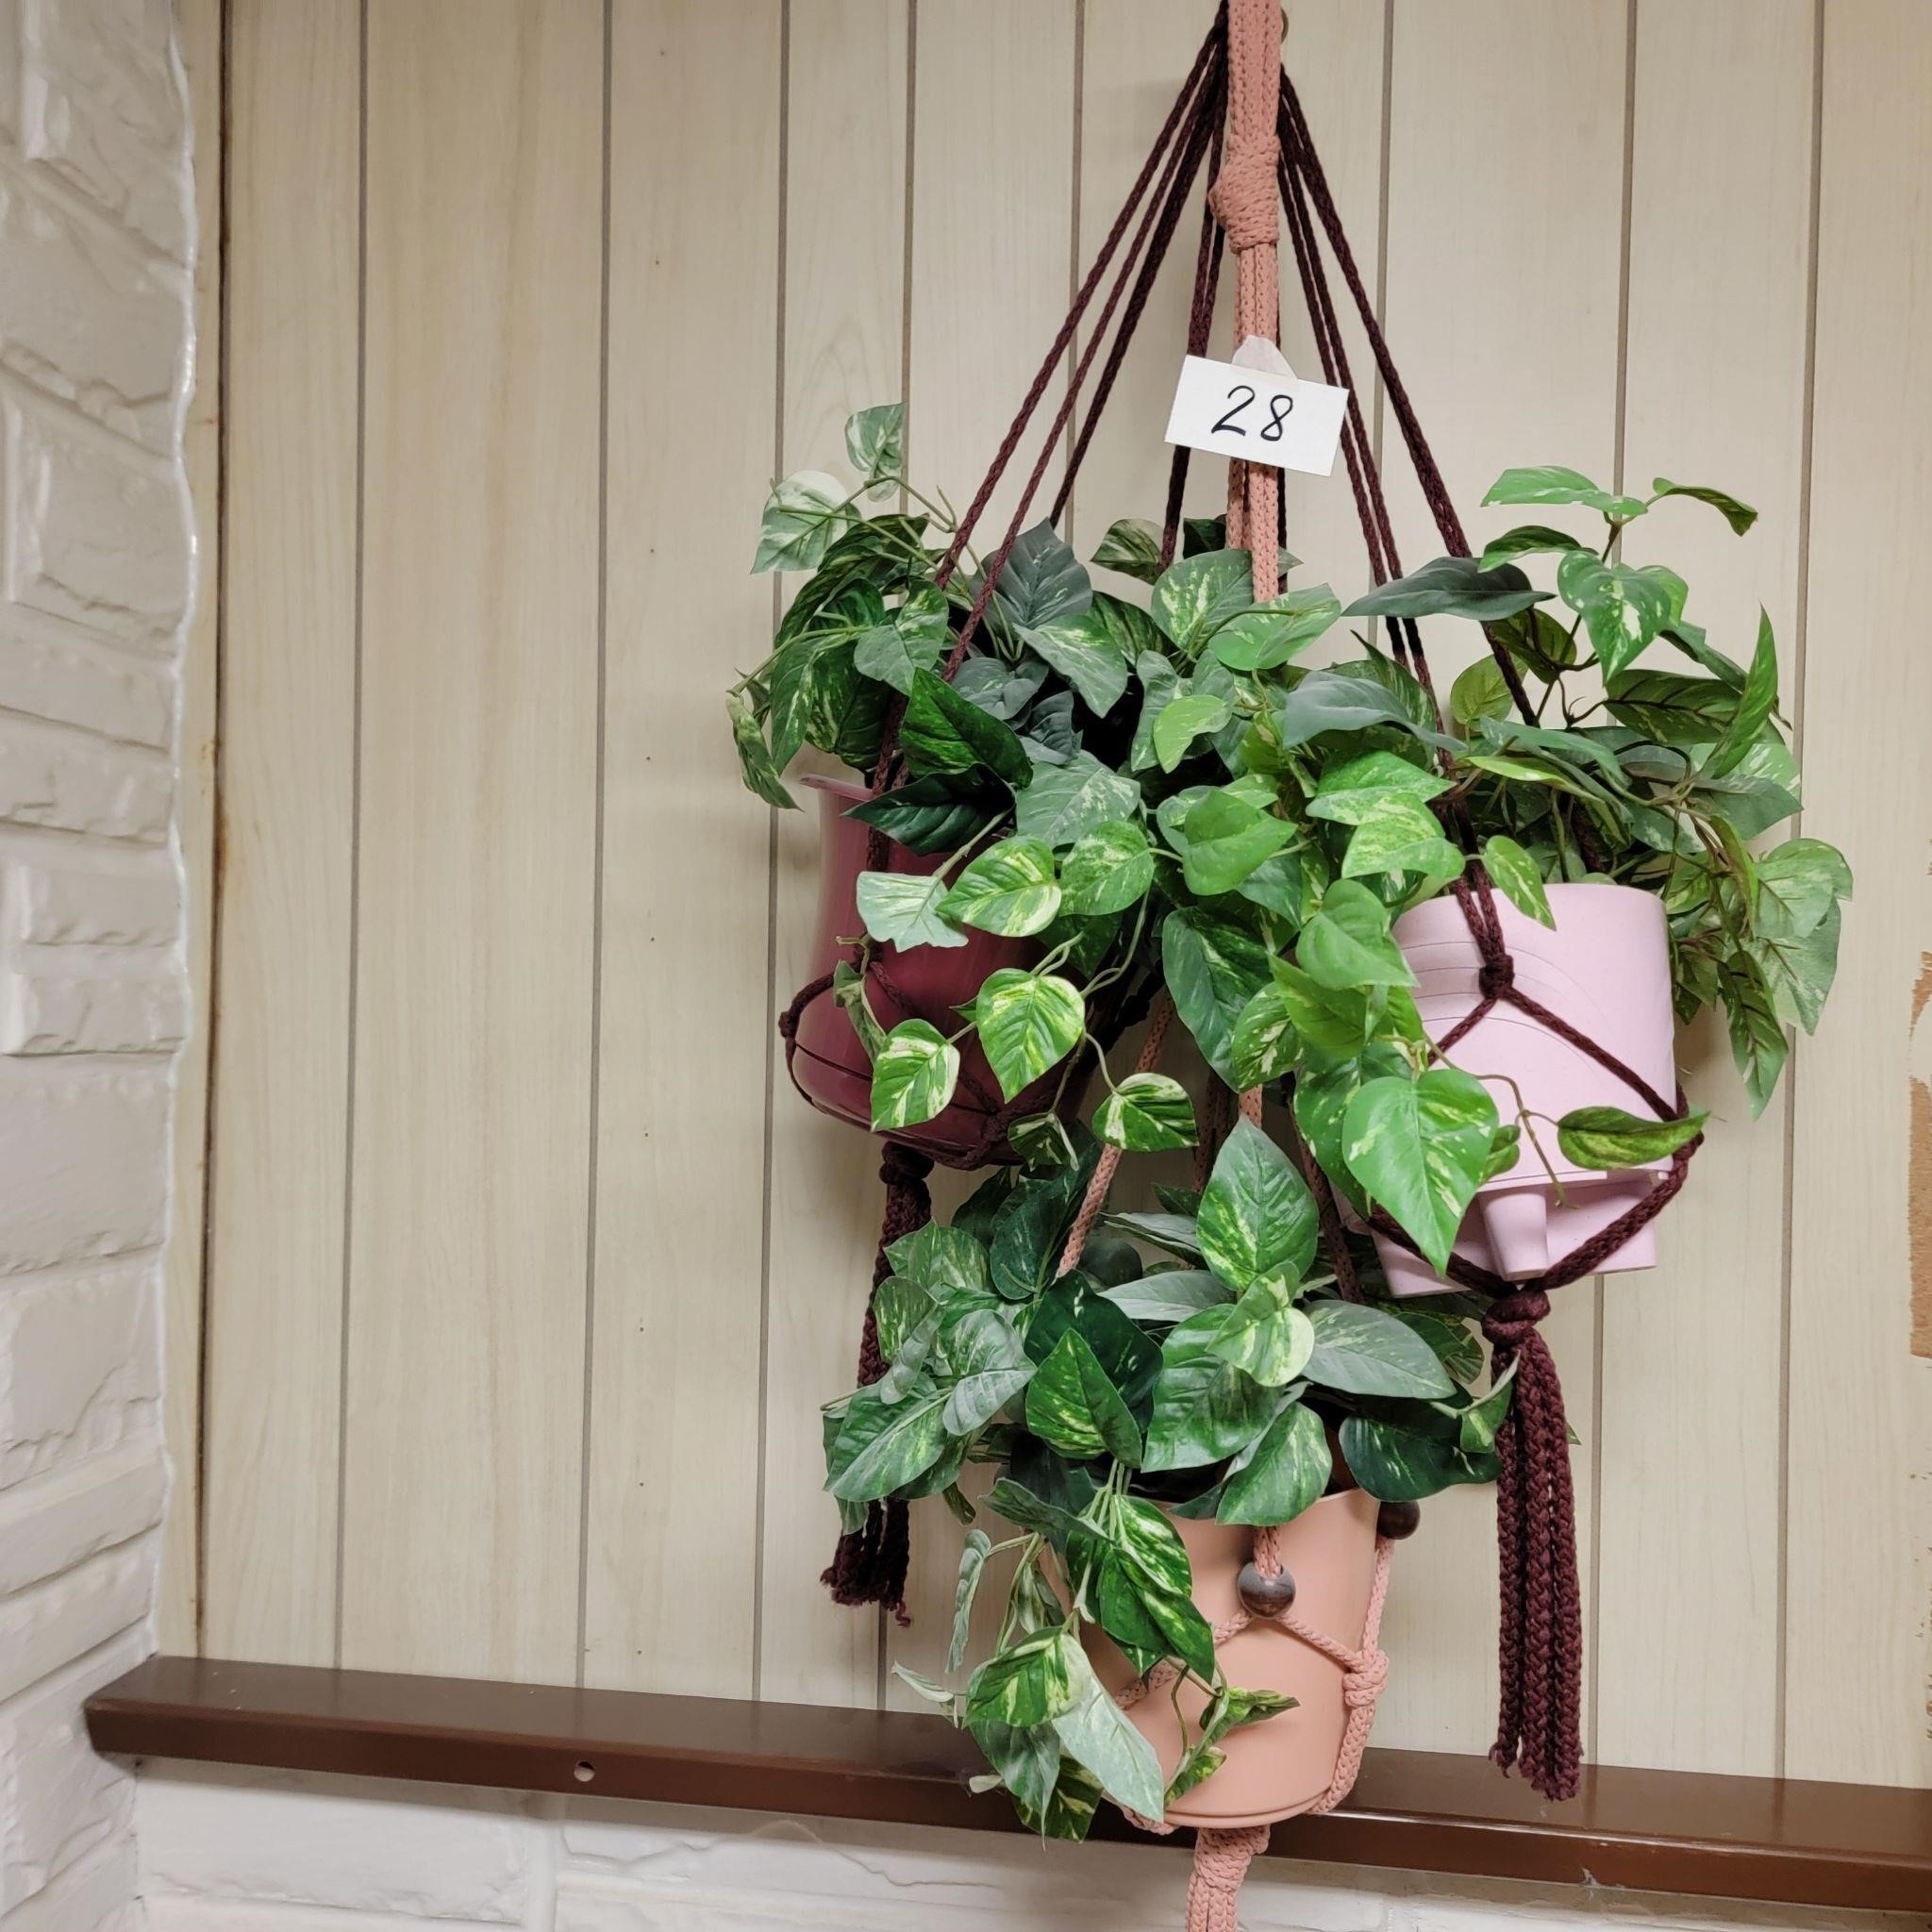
(1605, 970)
(1279, 1767)
(927, 983)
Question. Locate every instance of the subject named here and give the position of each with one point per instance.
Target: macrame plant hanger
(1269, 171)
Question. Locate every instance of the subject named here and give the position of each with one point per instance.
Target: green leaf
(1131, 546)
(1205, 1408)
(1362, 1350)
(1029, 1764)
(1265, 1043)
(1109, 869)
(1331, 1021)
(1029, 1683)
(818, 697)
(1476, 1426)
(1758, 1036)
(1172, 1295)
(1213, 967)
(1347, 945)
(1329, 701)
(1551, 483)
(1024, 1510)
(1400, 836)
(1756, 704)
(1008, 889)
(1798, 884)
(943, 1260)
(1146, 1112)
(913, 1080)
(1258, 1217)
(1396, 1464)
(1272, 633)
(1608, 1138)
(907, 908)
(1083, 650)
(754, 756)
(1128, 1565)
(1537, 642)
(1065, 802)
(1042, 580)
(1518, 877)
(1183, 719)
(1265, 1335)
(914, 639)
(1741, 516)
(977, 1547)
(1479, 691)
(929, 815)
(1670, 707)
(1527, 540)
(1027, 1022)
(1353, 791)
(802, 514)
(1176, 1233)
(1001, 689)
(876, 441)
(1799, 971)
(1195, 597)
(1284, 1471)
(882, 1447)
(1098, 1734)
(898, 1306)
(1228, 837)
(1072, 1403)
(1419, 1148)
(1622, 606)
(941, 731)
(1451, 587)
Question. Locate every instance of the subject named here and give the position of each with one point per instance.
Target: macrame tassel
(869, 1565)
(1540, 1653)
(1221, 1862)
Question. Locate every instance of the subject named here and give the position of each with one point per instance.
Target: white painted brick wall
(96, 568)
(224, 1851)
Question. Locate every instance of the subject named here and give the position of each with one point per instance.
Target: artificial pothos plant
(1228, 1379)
(1166, 794)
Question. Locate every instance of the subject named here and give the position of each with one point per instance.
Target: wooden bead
(1264, 1596)
(1398, 1519)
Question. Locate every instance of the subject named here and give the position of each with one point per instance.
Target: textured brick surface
(95, 570)
(222, 1850)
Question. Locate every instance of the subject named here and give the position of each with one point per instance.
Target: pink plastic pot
(927, 983)
(1605, 970)
(1279, 1767)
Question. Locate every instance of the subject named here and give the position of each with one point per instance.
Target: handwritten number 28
(1278, 408)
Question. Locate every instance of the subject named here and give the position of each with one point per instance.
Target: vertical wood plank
(1859, 1457)
(1719, 231)
(200, 31)
(992, 185)
(1504, 224)
(844, 327)
(673, 1476)
(274, 1359)
(478, 809)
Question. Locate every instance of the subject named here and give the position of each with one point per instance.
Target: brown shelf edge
(1848, 1846)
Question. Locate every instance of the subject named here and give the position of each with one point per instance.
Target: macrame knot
(902, 1167)
(1244, 195)
(1365, 1680)
(1512, 1319)
(1496, 976)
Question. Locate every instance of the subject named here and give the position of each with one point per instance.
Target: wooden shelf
(1841, 1846)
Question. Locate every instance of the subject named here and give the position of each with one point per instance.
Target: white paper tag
(1261, 414)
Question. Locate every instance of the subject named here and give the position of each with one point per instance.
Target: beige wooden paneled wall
(524, 1274)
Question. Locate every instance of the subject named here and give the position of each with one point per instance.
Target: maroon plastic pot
(927, 983)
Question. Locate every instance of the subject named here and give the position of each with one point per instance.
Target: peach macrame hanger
(1244, 196)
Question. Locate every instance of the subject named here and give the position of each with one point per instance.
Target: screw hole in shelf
(585, 1771)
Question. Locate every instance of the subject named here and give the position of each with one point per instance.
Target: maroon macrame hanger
(1538, 1723)
(869, 1563)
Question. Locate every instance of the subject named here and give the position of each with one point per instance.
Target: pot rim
(854, 789)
